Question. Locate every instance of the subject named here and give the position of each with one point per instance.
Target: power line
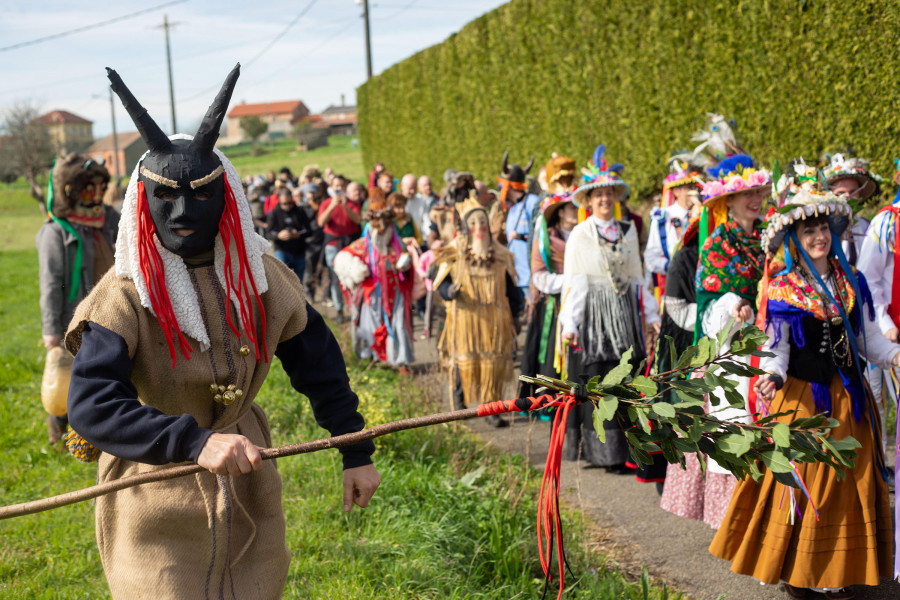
(399, 12)
(216, 86)
(281, 35)
(88, 27)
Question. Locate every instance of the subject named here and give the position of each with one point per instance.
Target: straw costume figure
(171, 348)
(476, 277)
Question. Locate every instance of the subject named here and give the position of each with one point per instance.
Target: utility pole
(365, 4)
(166, 26)
(112, 110)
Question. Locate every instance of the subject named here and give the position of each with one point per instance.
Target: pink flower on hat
(758, 178)
(713, 188)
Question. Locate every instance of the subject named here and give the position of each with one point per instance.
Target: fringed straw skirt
(851, 542)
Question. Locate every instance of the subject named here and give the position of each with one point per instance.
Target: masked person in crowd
(171, 348)
(75, 249)
(476, 276)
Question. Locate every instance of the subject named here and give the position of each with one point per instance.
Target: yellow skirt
(852, 541)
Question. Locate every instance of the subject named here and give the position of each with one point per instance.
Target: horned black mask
(183, 180)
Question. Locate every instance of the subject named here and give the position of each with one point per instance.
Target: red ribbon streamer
(549, 524)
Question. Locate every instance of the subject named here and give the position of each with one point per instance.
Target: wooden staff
(347, 439)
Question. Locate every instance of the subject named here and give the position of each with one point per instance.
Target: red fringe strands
(154, 273)
(243, 286)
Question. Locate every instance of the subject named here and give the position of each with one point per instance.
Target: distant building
(131, 148)
(68, 132)
(340, 120)
(280, 117)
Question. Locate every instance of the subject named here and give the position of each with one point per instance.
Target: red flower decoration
(711, 283)
(728, 249)
(717, 260)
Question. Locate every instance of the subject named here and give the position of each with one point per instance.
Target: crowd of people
(560, 258)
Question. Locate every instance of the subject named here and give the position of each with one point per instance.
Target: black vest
(816, 360)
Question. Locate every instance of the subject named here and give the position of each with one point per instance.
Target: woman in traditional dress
(476, 276)
(374, 272)
(605, 305)
(820, 320)
(728, 274)
(559, 216)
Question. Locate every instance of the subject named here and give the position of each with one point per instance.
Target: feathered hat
(683, 170)
(844, 167)
(598, 174)
(800, 193)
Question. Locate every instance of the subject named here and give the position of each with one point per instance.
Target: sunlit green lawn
(451, 520)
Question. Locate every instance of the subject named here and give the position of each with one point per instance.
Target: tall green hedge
(538, 76)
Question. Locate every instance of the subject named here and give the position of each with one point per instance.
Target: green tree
(253, 127)
(25, 148)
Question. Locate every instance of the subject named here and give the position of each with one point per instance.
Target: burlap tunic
(204, 536)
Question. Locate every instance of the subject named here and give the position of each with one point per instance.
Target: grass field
(339, 154)
(452, 520)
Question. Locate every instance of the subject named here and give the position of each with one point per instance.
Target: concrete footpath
(628, 522)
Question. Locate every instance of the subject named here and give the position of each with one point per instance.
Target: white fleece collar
(178, 282)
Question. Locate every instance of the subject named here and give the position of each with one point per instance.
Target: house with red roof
(68, 132)
(280, 116)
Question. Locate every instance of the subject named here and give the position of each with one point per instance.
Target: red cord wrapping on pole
(549, 524)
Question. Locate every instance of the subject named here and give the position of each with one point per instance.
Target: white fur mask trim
(178, 282)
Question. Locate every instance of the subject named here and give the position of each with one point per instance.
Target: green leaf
(598, 426)
(722, 335)
(781, 435)
(606, 408)
(776, 461)
(645, 385)
(696, 431)
(734, 443)
(621, 371)
(663, 409)
(702, 356)
(686, 357)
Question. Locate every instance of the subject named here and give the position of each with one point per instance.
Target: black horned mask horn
(208, 132)
(514, 173)
(153, 136)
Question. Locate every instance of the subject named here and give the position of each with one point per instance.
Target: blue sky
(321, 57)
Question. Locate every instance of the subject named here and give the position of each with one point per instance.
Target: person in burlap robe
(476, 277)
(171, 348)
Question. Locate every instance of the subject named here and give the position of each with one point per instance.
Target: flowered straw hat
(682, 171)
(799, 194)
(551, 204)
(841, 167)
(598, 174)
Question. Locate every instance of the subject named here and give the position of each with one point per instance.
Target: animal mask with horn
(512, 176)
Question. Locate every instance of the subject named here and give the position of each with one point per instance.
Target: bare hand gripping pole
(44, 504)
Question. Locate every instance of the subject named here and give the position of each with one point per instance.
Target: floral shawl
(731, 260)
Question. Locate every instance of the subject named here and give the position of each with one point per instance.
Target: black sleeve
(104, 409)
(514, 295)
(314, 362)
(444, 288)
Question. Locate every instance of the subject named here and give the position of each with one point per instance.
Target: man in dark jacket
(288, 227)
